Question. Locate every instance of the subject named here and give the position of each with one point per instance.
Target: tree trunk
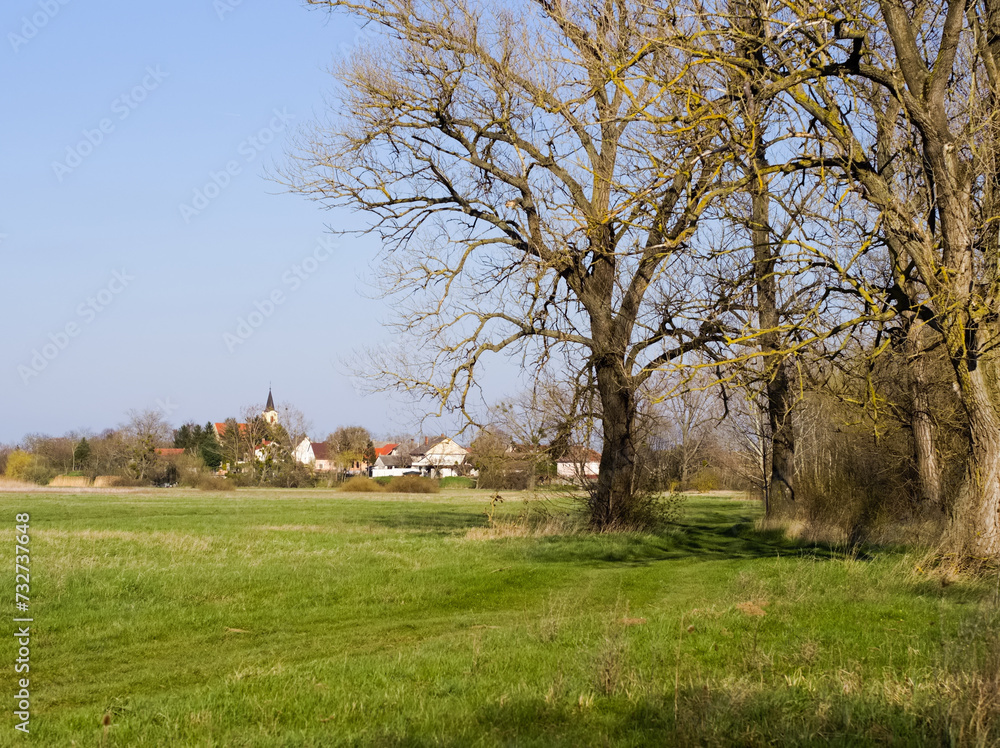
(974, 526)
(780, 462)
(612, 502)
(780, 467)
(924, 439)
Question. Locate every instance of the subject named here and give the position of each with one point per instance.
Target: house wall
(384, 472)
(303, 453)
(572, 470)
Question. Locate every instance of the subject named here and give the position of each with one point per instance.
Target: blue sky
(138, 227)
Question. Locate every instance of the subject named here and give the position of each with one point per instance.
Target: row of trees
(628, 193)
(128, 451)
(250, 449)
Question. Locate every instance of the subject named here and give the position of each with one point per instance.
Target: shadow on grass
(429, 519)
(713, 716)
(712, 529)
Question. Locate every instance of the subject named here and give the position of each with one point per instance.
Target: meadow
(314, 618)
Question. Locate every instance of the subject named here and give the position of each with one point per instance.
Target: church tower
(270, 414)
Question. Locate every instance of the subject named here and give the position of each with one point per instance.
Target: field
(312, 618)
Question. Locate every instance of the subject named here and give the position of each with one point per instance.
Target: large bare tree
(536, 172)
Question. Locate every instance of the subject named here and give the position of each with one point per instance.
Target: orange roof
(220, 428)
(579, 453)
(169, 451)
(384, 450)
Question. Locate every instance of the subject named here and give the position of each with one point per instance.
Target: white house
(303, 453)
(438, 458)
(313, 453)
(579, 463)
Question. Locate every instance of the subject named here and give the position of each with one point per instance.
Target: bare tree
(536, 174)
(140, 436)
(687, 418)
(348, 444)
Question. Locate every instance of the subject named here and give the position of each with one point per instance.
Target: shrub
(208, 482)
(504, 479)
(360, 484)
(127, 481)
(705, 480)
(19, 463)
(413, 484)
(26, 467)
(458, 481)
(241, 480)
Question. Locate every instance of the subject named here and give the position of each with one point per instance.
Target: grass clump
(208, 482)
(413, 484)
(360, 484)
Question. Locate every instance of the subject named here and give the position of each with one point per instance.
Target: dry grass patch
(526, 527)
(296, 528)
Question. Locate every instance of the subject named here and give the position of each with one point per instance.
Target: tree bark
(974, 526)
(612, 501)
(779, 464)
(781, 461)
(921, 422)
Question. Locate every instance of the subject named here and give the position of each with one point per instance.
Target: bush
(705, 480)
(206, 481)
(26, 467)
(19, 463)
(241, 480)
(458, 481)
(503, 479)
(127, 481)
(360, 484)
(413, 484)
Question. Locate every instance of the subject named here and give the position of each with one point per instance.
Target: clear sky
(143, 246)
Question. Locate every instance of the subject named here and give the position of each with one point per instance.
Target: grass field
(314, 618)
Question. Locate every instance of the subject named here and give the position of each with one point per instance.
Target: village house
(579, 463)
(315, 454)
(438, 458)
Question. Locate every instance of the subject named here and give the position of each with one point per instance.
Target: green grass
(314, 618)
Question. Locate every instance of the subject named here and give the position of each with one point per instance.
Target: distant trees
(348, 446)
(201, 441)
(81, 454)
(140, 436)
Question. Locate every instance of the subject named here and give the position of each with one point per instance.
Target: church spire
(270, 414)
